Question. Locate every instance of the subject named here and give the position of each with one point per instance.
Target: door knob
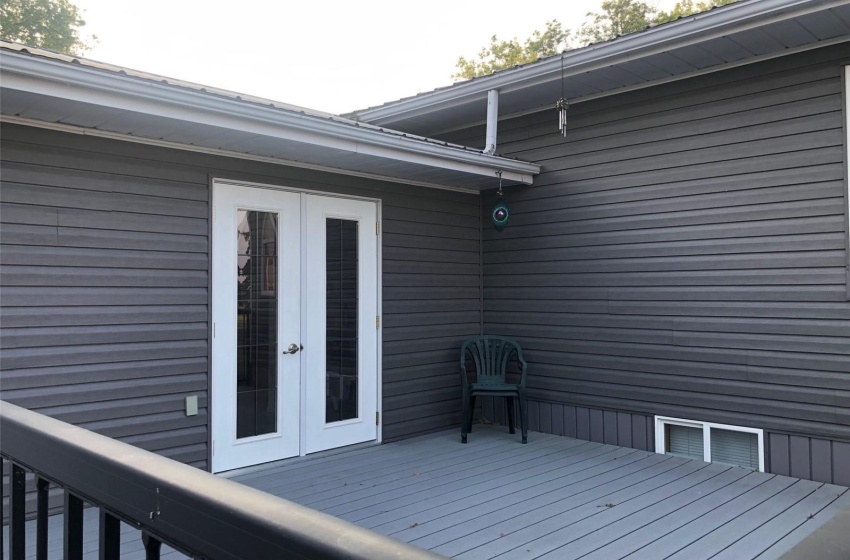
(293, 348)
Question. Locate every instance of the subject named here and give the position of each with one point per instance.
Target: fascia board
(688, 31)
(108, 89)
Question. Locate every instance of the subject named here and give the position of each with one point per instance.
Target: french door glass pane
(341, 320)
(256, 323)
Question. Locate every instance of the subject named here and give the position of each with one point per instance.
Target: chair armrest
(523, 367)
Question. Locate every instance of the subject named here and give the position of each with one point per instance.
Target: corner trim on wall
(210, 181)
(481, 265)
(846, 109)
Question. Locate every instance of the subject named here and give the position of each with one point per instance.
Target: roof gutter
(116, 90)
(700, 27)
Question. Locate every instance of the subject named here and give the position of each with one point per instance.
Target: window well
(708, 441)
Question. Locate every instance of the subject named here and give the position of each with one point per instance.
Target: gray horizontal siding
(684, 253)
(105, 276)
(104, 294)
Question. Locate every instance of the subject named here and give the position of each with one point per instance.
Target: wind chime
(501, 211)
(562, 104)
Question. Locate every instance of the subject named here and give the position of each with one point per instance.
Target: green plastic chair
(491, 356)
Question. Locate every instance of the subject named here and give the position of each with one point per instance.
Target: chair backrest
(491, 355)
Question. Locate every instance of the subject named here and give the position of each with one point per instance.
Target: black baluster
(73, 527)
(18, 511)
(41, 487)
(152, 546)
(110, 537)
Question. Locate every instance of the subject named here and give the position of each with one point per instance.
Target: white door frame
(379, 299)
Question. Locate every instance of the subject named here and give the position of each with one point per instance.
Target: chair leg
(463, 419)
(523, 413)
(509, 402)
(471, 414)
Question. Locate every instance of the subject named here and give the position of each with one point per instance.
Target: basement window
(707, 441)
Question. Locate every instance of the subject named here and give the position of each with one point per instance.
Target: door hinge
(377, 321)
(377, 228)
(377, 418)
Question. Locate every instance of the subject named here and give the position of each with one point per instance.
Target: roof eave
(79, 83)
(684, 32)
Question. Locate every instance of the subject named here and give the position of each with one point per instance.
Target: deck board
(735, 529)
(498, 492)
(554, 498)
(808, 526)
(559, 529)
(589, 542)
(427, 476)
(754, 541)
(490, 509)
(516, 524)
(680, 538)
(638, 533)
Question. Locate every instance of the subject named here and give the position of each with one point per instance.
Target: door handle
(293, 348)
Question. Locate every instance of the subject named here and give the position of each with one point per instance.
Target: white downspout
(492, 121)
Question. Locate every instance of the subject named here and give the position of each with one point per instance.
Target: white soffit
(741, 33)
(40, 88)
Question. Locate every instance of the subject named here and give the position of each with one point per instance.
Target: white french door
(340, 313)
(256, 310)
(294, 305)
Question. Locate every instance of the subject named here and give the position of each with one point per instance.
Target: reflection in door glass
(256, 323)
(341, 320)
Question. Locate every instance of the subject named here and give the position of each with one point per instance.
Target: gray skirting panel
(603, 426)
(809, 458)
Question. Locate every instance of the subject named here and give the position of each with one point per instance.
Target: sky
(333, 56)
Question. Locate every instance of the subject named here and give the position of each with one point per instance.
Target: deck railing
(195, 512)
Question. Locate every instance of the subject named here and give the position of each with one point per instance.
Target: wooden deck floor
(553, 498)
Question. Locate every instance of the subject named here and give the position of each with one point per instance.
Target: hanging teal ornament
(501, 214)
(501, 211)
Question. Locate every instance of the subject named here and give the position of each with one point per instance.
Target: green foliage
(618, 17)
(50, 24)
(688, 7)
(621, 17)
(507, 54)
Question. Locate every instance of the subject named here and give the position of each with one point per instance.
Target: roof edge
(40, 74)
(699, 27)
